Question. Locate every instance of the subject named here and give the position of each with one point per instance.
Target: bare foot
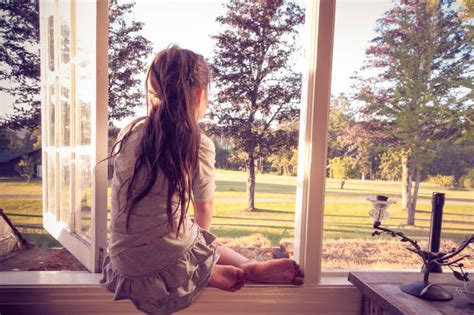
(277, 271)
(227, 278)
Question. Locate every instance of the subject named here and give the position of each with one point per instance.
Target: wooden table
(382, 295)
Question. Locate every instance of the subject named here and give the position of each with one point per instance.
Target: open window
(74, 125)
(74, 104)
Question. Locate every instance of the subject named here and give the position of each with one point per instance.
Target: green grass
(26, 215)
(346, 211)
(18, 187)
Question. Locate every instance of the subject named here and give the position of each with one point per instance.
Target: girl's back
(157, 256)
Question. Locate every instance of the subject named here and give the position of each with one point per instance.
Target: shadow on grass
(271, 211)
(447, 213)
(42, 240)
(251, 219)
(255, 226)
(341, 194)
(232, 232)
(11, 214)
(237, 186)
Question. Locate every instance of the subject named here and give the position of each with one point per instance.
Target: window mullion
(313, 139)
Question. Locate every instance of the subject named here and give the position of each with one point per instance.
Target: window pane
(388, 131)
(85, 102)
(65, 184)
(51, 43)
(65, 21)
(51, 184)
(51, 117)
(83, 193)
(85, 71)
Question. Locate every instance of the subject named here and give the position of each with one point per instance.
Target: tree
(341, 168)
(285, 161)
(128, 53)
(340, 121)
(390, 165)
(8, 139)
(418, 82)
(26, 167)
(257, 88)
(20, 61)
(365, 141)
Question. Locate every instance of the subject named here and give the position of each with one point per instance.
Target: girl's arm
(203, 213)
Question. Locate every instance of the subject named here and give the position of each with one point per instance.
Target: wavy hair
(171, 136)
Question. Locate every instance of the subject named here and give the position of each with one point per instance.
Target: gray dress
(147, 264)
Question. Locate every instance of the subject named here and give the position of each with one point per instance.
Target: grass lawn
(346, 210)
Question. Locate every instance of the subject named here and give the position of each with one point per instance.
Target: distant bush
(442, 180)
(467, 181)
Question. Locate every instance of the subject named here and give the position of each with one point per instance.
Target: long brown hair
(170, 140)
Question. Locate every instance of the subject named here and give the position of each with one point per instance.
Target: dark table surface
(382, 288)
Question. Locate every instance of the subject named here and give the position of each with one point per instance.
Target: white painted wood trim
(88, 252)
(43, 63)
(63, 292)
(99, 185)
(312, 147)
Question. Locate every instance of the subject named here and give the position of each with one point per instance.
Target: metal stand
(427, 291)
(424, 289)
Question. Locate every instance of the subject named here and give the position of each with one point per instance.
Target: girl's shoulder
(207, 143)
(131, 126)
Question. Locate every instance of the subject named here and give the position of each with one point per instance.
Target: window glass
(394, 131)
(85, 103)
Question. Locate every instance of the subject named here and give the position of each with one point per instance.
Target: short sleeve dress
(148, 264)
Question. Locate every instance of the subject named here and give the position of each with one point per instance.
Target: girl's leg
(277, 271)
(228, 256)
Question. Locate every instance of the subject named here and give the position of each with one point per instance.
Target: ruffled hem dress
(148, 264)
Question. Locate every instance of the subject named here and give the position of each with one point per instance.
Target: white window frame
(312, 147)
(317, 294)
(89, 252)
(309, 214)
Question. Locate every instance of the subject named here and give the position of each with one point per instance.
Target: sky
(190, 23)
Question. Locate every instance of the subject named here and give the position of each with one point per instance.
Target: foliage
(417, 79)
(445, 181)
(26, 167)
(452, 159)
(467, 181)
(20, 61)
(340, 121)
(341, 167)
(257, 89)
(35, 138)
(365, 142)
(390, 165)
(128, 53)
(9, 140)
(285, 161)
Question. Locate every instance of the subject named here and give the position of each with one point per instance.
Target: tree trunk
(414, 198)
(363, 176)
(251, 183)
(406, 185)
(287, 170)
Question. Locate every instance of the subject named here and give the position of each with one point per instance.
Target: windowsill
(84, 278)
(59, 292)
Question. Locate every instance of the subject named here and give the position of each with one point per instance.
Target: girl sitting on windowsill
(157, 256)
